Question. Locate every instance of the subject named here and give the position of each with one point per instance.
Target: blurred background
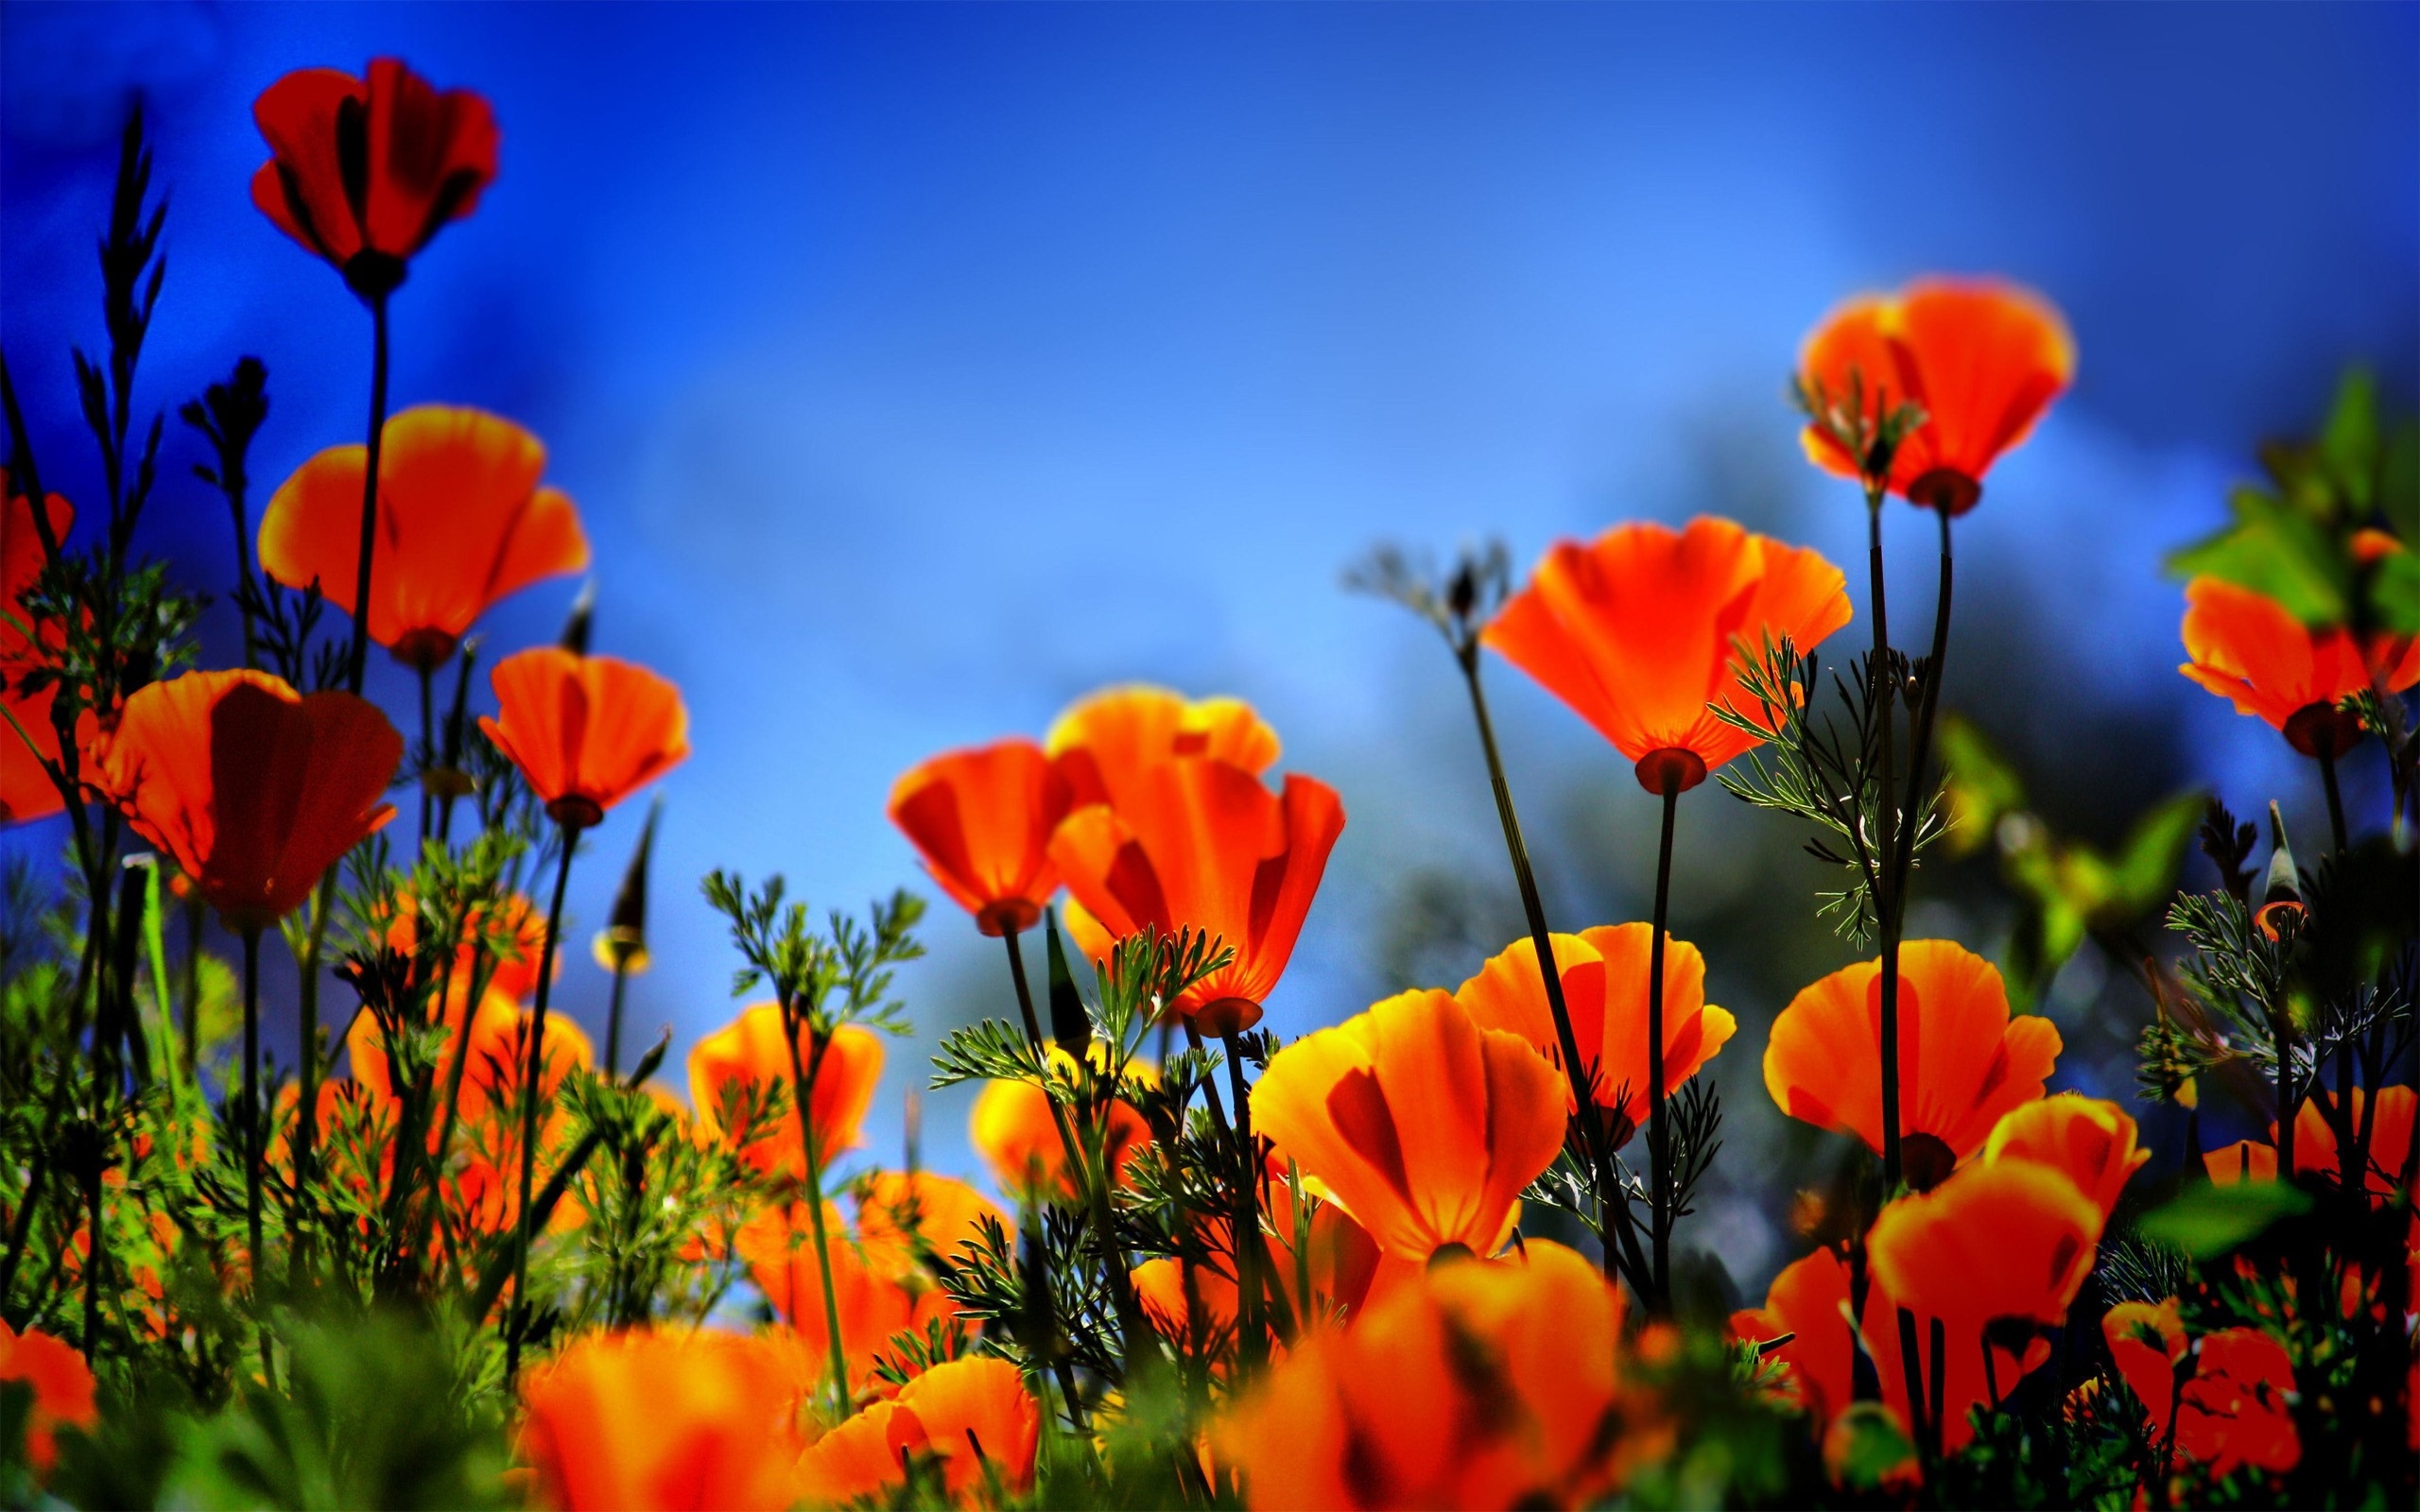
(918, 368)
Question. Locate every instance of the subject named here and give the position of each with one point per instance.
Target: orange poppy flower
(902, 1217)
(1476, 1385)
(864, 1456)
(2245, 647)
(974, 1415)
(22, 560)
(1103, 743)
(2088, 1138)
(688, 1417)
(512, 976)
(1604, 988)
(1203, 844)
(2147, 1342)
(1012, 1128)
(253, 788)
(1421, 1124)
(586, 731)
(462, 524)
(1963, 1063)
(1639, 632)
(26, 792)
(363, 172)
(2008, 1240)
(1983, 358)
(981, 821)
(874, 1302)
(2316, 1150)
(64, 1393)
(2245, 1161)
(2235, 1410)
(750, 1050)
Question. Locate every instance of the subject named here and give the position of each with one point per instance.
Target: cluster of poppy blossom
(1327, 1286)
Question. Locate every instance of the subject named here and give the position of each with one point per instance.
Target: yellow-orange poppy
(586, 731)
(511, 964)
(874, 1301)
(1424, 1124)
(974, 1416)
(751, 1050)
(2090, 1138)
(1640, 632)
(864, 1456)
(905, 1217)
(672, 1417)
(1604, 974)
(253, 788)
(2245, 1161)
(1963, 1062)
(981, 821)
(1103, 742)
(2248, 649)
(1982, 357)
(462, 524)
(1011, 1127)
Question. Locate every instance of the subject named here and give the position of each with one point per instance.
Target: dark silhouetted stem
(2335, 798)
(613, 1015)
(428, 749)
(252, 1099)
(1659, 1134)
(357, 660)
(1886, 872)
(531, 1083)
(1252, 1333)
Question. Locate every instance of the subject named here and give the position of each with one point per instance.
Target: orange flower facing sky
(1981, 357)
(1640, 632)
(1202, 843)
(1476, 1383)
(64, 1393)
(2248, 649)
(462, 523)
(1605, 986)
(981, 821)
(364, 171)
(973, 1417)
(1102, 743)
(586, 731)
(675, 1418)
(750, 1050)
(1421, 1124)
(1963, 1061)
(2008, 1240)
(253, 788)
(2090, 1138)
(1011, 1127)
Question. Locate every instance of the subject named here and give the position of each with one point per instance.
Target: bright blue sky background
(920, 367)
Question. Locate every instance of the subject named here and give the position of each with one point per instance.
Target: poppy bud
(582, 617)
(1461, 594)
(621, 945)
(1673, 769)
(2280, 914)
(1069, 1026)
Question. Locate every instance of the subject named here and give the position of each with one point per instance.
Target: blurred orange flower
(63, 1389)
(874, 1301)
(2236, 1409)
(864, 1456)
(2244, 1161)
(974, 1415)
(750, 1050)
(1982, 357)
(2248, 649)
(2147, 1342)
(512, 977)
(1203, 844)
(586, 731)
(1102, 744)
(1480, 1383)
(1640, 632)
(253, 788)
(22, 560)
(364, 172)
(677, 1417)
(2088, 1138)
(981, 821)
(1421, 1124)
(2317, 1150)
(26, 792)
(1012, 1128)
(1605, 986)
(1963, 1063)
(462, 524)
(903, 1217)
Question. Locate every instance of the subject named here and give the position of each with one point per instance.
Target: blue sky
(918, 368)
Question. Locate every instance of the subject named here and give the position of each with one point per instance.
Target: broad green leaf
(1983, 786)
(2274, 549)
(2208, 1221)
(2147, 864)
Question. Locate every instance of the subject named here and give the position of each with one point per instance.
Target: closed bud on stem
(2280, 915)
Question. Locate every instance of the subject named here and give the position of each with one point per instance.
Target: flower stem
(1659, 1147)
(1885, 912)
(1251, 1338)
(357, 660)
(251, 1097)
(803, 1076)
(2335, 796)
(1078, 1170)
(530, 1083)
(613, 1015)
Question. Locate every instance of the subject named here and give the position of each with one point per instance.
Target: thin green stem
(531, 1085)
(803, 1076)
(614, 1014)
(357, 660)
(1252, 1330)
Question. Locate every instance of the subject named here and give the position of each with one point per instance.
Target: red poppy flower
(2244, 1161)
(2008, 1240)
(1963, 1062)
(1202, 843)
(1103, 743)
(22, 560)
(680, 1417)
(586, 731)
(2236, 1409)
(363, 172)
(1604, 988)
(27, 739)
(1982, 358)
(2147, 1342)
(2089, 1139)
(462, 524)
(2249, 650)
(1012, 1128)
(63, 1389)
(1639, 633)
(982, 819)
(253, 788)
(750, 1050)
(2317, 1150)
(1423, 1126)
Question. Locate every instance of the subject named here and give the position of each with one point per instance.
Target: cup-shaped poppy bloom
(875, 1301)
(1012, 1128)
(253, 788)
(22, 559)
(863, 1457)
(27, 739)
(1202, 843)
(1102, 743)
(2387, 1130)
(1963, 1062)
(2248, 649)
(2010, 1239)
(2090, 1138)
(1640, 632)
(911, 1219)
(1604, 973)
(1983, 358)
(2236, 1409)
(2246, 1161)
(747, 1061)
(1474, 1384)
(680, 1417)
(63, 1389)
(981, 821)
(2147, 1342)
(364, 171)
(973, 1417)
(586, 731)
(1421, 1124)
(462, 524)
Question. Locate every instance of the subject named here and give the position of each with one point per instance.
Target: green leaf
(2210, 1221)
(1983, 786)
(2275, 549)
(2398, 498)
(2147, 864)
(2349, 447)
(2394, 593)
